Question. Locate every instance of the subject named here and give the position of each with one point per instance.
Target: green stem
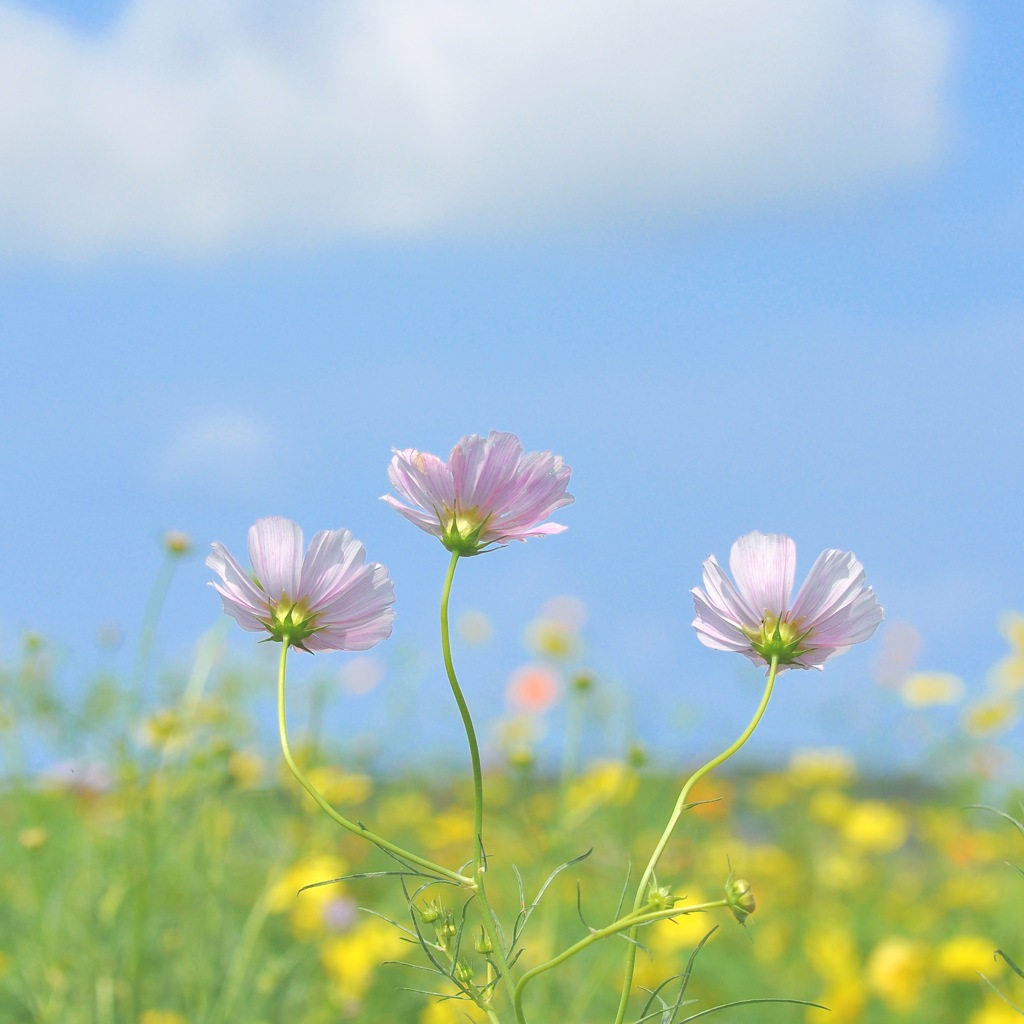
(645, 879)
(353, 827)
(479, 857)
(633, 921)
(147, 636)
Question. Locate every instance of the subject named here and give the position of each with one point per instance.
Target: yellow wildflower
(246, 767)
(1009, 673)
(896, 971)
(605, 782)
(995, 1011)
(351, 960)
(33, 837)
(307, 907)
(449, 1011)
(964, 957)
(845, 997)
(875, 827)
(829, 806)
(161, 1017)
(340, 788)
(825, 766)
(990, 715)
(924, 689)
(832, 951)
(550, 638)
(770, 791)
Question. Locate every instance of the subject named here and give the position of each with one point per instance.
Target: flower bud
(429, 913)
(483, 943)
(463, 972)
(637, 755)
(660, 897)
(177, 543)
(583, 681)
(740, 897)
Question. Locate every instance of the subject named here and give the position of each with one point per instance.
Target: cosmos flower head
(756, 616)
(488, 492)
(328, 599)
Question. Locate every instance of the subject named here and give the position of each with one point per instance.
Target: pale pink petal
(275, 551)
(483, 469)
(424, 520)
(241, 598)
(331, 558)
(763, 565)
(336, 600)
(487, 481)
(423, 480)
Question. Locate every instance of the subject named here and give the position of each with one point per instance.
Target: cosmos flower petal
(242, 599)
(423, 480)
(275, 551)
(328, 599)
(489, 492)
(763, 565)
(833, 610)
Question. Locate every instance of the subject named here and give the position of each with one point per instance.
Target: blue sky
(744, 265)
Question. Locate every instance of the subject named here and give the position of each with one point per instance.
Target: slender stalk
(353, 827)
(633, 920)
(147, 636)
(645, 878)
(479, 857)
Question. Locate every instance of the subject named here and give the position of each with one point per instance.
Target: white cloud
(195, 126)
(229, 450)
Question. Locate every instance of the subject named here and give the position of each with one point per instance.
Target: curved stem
(652, 864)
(633, 920)
(353, 827)
(479, 857)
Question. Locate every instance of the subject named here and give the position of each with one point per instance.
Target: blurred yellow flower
(924, 689)
(875, 827)
(770, 791)
(307, 907)
(824, 766)
(161, 1017)
(964, 957)
(550, 638)
(246, 767)
(352, 959)
(995, 1011)
(449, 1011)
(990, 715)
(670, 943)
(604, 782)
(408, 810)
(896, 971)
(340, 788)
(829, 806)
(33, 837)
(1009, 673)
(164, 730)
(840, 871)
(845, 997)
(832, 952)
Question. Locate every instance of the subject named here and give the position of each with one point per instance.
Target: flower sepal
(780, 639)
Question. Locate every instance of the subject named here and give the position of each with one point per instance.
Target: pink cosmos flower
(487, 493)
(832, 611)
(329, 599)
